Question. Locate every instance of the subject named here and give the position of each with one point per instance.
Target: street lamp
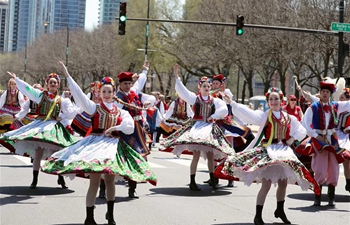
(46, 24)
(67, 52)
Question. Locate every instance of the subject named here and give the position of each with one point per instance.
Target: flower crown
(53, 75)
(346, 92)
(203, 79)
(107, 80)
(274, 89)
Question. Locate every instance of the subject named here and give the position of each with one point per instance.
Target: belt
(325, 132)
(137, 117)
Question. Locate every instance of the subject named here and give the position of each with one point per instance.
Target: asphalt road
(170, 202)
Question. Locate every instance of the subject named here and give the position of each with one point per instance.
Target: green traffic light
(240, 31)
(122, 18)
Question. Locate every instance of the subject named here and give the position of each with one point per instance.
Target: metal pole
(239, 75)
(341, 41)
(67, 53)
(25, 59)
(147, 31)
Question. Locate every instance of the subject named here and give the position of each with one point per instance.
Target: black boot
(35, 179)
(258, 219)
(331, 195)
(90, 216)
(102, 193)
(347, 186)
(132, 188)
(61, 182)
(317, 201)
(109, 214)
(230, 183)
(279, 212)
(193, 185)
(213, 181)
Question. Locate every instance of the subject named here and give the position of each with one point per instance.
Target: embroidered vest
(203, 109)
(33, 107)
(103, 118)
(281, 128)
(319, 119)
(132, 98)
(44, 107)
(151, 117)
(343, 120)
(12, 99)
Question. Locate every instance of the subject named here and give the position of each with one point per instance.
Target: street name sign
(341, 27)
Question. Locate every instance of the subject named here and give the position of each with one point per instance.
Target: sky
(91, 13)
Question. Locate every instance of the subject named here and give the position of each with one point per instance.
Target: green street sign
(341, 27)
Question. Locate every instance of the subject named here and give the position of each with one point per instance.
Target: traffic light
(122, 18)
(239, 24)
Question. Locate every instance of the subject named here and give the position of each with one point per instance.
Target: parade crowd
(299, 142)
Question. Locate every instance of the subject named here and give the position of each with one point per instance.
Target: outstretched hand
(146, 65)
(12, 74)
(65, 70)
(176, 70)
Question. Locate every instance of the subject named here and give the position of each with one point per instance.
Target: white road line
(187, 163)
(154, 165)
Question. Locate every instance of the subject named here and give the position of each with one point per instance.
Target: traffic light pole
(147, 32)
(341, 40)
(292, 29)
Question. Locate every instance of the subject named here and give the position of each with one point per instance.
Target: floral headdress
(53, 75)
(274, 89)
(107, 80)
(202, 80)
(346, 92)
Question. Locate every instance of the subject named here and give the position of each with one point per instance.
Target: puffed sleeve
(184, 93)
(307, 120)
(140, 83)
(127, 125)
(343, 106)
(21, 99)
(68, 109)
(297, 131)
(159, 118)
(170, 110)
(220, 109)
(3, 99)
(80, 98)
(247, 115)
(24, 110)
(33, 94)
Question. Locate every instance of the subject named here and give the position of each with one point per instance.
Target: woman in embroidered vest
(343, 131)
(28, 112)
(101, 152)
(82, 121)
(11, 102)
(46, 134)
(202, 136)
(292, 108)
(269, 159)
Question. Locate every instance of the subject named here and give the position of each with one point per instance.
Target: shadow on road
(14, 200)
(185, 191)
(310, 197)
(17, 166)
(26, 191)
(100, 201)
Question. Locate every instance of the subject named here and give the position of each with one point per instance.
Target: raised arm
(84, 102)
(33, 94)
(141, 81)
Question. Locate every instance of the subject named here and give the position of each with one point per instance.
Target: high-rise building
(109, 10)
(27, 19)
(3, 11)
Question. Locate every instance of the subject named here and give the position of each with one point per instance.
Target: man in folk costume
(154, 118)
(133, 101)
(320, 121)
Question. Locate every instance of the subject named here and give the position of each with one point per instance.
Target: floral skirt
(100, 154)
(7, 116)
(202, 137)
(49, 135)
(276, 162)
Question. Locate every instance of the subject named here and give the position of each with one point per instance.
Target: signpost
(341, 27)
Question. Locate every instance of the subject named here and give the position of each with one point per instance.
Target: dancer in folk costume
(132, 100)
(343, 131)
(28, 112)
(102, 152)
(179, 114)
(46, 134)
(82, 121)
(11, 102)
(320, 121)
(202, 136)
(269, 159)
(292, 108)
